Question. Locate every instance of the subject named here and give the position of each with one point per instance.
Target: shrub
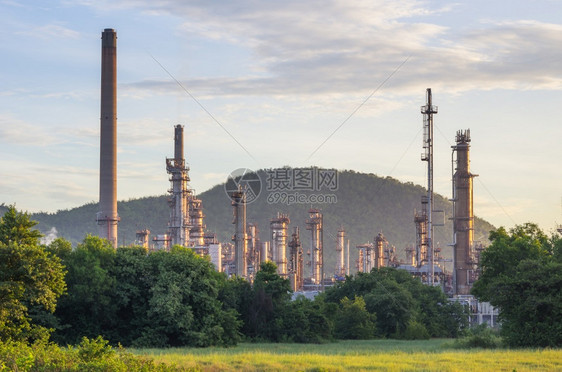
(480, 336)
(90, 355)
(416, 331)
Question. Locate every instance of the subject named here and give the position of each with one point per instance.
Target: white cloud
(50, 31)
(317, 48)
(15, 131)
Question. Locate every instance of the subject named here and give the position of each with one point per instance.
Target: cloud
(16, 131)
(319, 47)
(51, 31)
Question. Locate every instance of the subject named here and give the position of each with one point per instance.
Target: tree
(30, 278)
(184, 309)
(132, 297)
(394, 307)
(354, 321)
(506, 252)
(398, 299)
(271, 293)
(522, 276)
(89, 308)
(17, 228)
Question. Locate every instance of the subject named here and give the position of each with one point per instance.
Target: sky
(263, 84)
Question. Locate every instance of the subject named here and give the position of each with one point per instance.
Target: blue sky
(281, 76)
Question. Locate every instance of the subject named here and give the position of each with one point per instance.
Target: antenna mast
(428, 110)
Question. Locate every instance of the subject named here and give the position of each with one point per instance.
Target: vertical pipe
(430, 190)
(107, 216)
(340, 252)
(347, 263)
(240, 235)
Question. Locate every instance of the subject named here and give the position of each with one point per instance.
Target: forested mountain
(366, 205)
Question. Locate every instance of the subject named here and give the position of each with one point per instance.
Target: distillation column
(107, 217)
(379, 250)
(463, 216)
(315, 225)
(179, 223)
(197, 232)
(365, 263)
(340, 244)
(240, 237)
(296, 262)
(254, 249)
(279, 235)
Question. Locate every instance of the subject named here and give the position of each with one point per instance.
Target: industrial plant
(298, 255)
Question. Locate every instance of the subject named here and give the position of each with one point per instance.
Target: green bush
(91, 355)
(480, 336)
(416, 331)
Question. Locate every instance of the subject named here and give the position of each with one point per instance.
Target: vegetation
(162, 299)
(401, 306)
(480, 336)
(137, 298)
(31, 280)
(172, 299)
(89, 355)
(393, 355)
(522, 276)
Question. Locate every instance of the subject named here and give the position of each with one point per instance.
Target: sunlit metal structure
(464, 261)
(240, 237)
(421, 221)
(142, 238)
(197, 225)
(279, 240)
(316, 226)
(295, 266)
(179, 223)
(366, 257)
(380, 243)
(340, 253)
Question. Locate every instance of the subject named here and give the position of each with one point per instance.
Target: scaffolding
(295, 267)
(179, 224)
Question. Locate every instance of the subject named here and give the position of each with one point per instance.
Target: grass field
(390, 355)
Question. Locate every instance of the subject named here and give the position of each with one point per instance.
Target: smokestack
(178, 143)
(107, 217)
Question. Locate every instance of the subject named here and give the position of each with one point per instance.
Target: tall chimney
(107, 217)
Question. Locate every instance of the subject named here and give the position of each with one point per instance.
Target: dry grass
(386, 355)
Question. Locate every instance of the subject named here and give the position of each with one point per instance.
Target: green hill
(366, 205)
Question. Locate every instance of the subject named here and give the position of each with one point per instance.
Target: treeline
(160, 299)
(176, 298)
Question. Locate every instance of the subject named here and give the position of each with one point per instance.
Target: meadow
(386, 355)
